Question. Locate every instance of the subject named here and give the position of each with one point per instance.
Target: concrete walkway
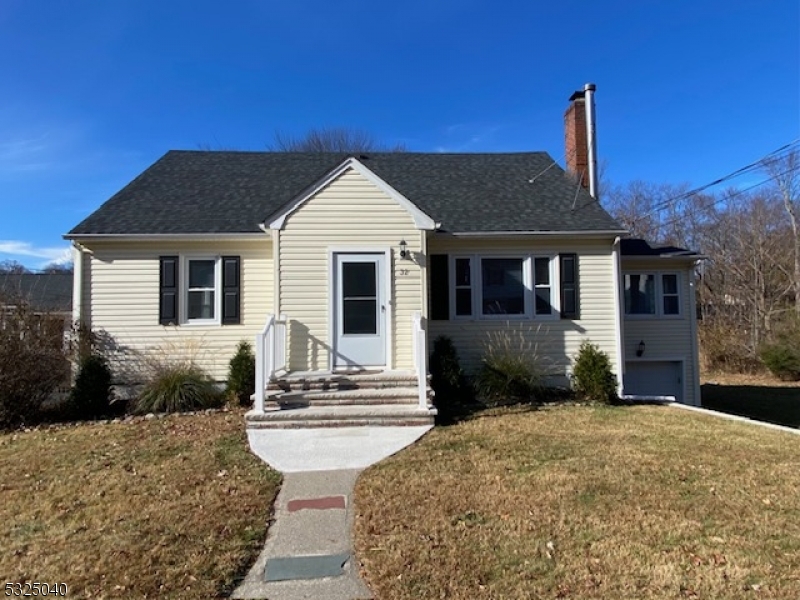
(308, 553)
(309, 547)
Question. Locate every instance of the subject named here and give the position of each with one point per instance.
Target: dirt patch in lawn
(585, 502)
(167, 508)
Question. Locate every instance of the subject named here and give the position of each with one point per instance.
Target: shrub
(33, 362)
(90, 395)
(782, 359)
(242, 374)
(512, 369)
(452, 389)
(178, 388)
(592, 376)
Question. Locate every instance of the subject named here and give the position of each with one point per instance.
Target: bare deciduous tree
(332, 139)
(783, 170)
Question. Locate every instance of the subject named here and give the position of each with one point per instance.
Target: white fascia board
(685, 258)
(610, 233)
(421, 220)
(84, 238)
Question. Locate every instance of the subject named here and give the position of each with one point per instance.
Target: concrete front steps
(311, 400)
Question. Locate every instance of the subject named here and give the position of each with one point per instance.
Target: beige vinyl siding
(556, 341)
(668, 338)
(122, 283)
(349, 213)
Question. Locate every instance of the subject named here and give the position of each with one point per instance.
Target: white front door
(359, 310)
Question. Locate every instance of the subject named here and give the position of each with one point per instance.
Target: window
(489, 287)
(502, 286)
(463, 286)
(650, 294)
(541, 283)
(671, 300)
(199, 290)
(640, 294)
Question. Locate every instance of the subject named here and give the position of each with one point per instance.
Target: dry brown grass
(585, 502)
(169, 508)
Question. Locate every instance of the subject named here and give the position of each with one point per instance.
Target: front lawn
(167, 508)
(585, 502)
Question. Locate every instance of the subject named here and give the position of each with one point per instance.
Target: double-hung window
(199, 290)
(652, 294)
(489, 287)
(202, 290)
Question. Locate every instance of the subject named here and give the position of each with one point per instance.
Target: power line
(778, 154)
(730, 196)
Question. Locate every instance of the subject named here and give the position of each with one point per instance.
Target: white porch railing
(270, 355)
(420, 340)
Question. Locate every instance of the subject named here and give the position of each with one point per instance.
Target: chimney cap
(589, 87)
(581, 94)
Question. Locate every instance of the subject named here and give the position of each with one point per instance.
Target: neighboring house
(339, 263)
(47, 294)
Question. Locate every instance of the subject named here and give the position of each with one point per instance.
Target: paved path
(308, 553)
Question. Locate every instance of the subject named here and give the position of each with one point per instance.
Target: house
(48, 295)
(344, 268)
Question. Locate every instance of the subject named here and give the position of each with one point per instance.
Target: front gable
(421, 220)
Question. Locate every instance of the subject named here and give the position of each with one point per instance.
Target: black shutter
(570, 301)
(440, 288)
(231, 290)
(168, 290)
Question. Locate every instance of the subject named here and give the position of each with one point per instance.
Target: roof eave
(147, 237)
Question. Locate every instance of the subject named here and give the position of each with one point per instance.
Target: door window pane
(502, 286)
(360, 316)
(358, 280)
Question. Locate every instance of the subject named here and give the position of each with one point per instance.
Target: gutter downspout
(591, 138)
(618, 323)
(697, 399)
(77, 283)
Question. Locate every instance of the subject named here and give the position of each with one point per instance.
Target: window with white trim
(463, 286)
(671, 301)
(489, 287)
(652, 294)
(202, 290)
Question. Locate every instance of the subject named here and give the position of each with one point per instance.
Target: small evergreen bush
(178, 388)
(512, 369)
(592, 375)
(782, 359)
(89, 397)
(451, 387)
(242, 374)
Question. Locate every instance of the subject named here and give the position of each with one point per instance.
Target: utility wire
(781, 152)
(730, 196)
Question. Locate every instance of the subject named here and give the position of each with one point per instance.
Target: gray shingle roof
(640, 247)
(44, 292)
(232, 192)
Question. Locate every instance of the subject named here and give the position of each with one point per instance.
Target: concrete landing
(323, 449)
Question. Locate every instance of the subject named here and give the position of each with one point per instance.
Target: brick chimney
(577, 154)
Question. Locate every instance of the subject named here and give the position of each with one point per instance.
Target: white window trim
(183, 290)
(476, 283)
(659, 295)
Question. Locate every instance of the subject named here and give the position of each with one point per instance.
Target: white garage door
(654, 378)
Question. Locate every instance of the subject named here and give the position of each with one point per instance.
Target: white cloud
(55, 254)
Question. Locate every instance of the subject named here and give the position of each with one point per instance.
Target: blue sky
(94, 92)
